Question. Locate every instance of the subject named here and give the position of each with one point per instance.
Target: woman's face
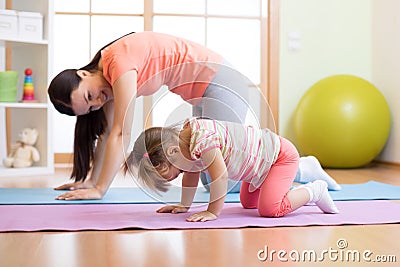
(93, 92)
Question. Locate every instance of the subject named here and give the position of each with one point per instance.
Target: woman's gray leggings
(227, 99)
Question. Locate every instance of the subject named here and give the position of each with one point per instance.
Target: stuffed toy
(23, 153)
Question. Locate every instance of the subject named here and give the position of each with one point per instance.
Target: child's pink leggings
(270, 198)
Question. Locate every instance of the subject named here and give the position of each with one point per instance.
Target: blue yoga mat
(115, 195)
(371, 190)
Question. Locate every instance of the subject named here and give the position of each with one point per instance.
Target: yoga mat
(143, 216)
(371, 190)
(115, 195)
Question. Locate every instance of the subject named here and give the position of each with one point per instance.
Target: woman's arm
(101, 144)
(124, 89)
(98, 154)
(218, 186)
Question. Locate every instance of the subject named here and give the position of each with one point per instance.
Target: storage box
(30, 26)
(8, 24)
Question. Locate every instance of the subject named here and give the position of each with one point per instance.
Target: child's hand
(173, 209)
(202, 217)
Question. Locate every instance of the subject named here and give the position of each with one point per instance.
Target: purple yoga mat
(143, 216)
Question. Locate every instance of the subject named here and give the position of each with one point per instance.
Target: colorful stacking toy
(29, 93)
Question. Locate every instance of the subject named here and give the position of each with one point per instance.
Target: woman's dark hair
(88, 127)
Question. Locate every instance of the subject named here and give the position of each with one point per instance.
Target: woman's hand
(77, 185)
(202, 217)
(173, 209)
(91, 193)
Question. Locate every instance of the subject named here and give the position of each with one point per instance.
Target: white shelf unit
(37, 56)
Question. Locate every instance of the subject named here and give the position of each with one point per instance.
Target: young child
(265, 163)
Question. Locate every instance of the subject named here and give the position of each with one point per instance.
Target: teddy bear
(23, 153)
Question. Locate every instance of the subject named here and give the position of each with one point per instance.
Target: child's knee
(268, 212)
(248, 204)
(247, 199)
(277, 210)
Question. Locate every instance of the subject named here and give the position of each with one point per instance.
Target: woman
(102, 94)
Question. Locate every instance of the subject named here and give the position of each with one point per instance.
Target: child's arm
(190, 180)
(218, 187)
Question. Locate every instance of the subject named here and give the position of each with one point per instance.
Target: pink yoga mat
(143, 216)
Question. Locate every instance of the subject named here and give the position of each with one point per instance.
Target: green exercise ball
(343, 120)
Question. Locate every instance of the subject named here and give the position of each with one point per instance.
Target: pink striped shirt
(248, 152)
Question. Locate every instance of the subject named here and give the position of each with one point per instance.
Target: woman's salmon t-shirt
(160, 59)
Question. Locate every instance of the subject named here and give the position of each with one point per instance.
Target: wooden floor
(218, 247)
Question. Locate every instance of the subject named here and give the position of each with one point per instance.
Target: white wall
(330, 37)
(359, 37)
(334, 38)
(386, 66)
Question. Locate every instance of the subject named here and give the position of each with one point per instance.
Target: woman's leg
(225, 99)
(227, 96)
(310, 170)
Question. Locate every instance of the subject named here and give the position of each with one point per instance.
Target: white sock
(310, 170)
(319, 195)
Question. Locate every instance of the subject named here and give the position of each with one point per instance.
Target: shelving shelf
(34, 170)
(23, 105)
(18, 54)
(24, 41)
